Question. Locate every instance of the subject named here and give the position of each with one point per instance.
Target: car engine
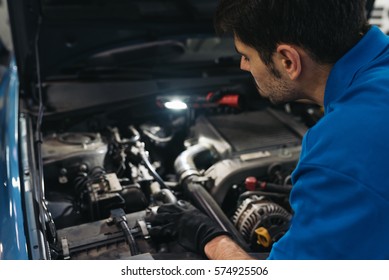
(104, 182)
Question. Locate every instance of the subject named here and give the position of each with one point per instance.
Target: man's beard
(279, 91)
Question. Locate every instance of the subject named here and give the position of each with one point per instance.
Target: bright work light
(175, 105)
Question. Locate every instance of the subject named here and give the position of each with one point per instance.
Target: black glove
(183, 221)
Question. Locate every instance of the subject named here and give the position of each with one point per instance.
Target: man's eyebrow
(239, 52)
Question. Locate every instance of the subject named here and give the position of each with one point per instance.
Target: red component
(251, 183)
(230, 100)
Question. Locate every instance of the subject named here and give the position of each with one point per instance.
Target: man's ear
(290, 60)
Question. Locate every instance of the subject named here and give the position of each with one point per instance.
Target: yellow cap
(263, 236)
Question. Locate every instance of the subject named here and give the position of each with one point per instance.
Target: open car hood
(57, 36)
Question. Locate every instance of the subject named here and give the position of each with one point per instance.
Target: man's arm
(224, 248)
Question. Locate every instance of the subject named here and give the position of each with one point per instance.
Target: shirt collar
(344, 70)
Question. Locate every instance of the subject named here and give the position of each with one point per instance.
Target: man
(325, 52)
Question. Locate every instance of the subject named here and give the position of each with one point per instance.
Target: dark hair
(326, 29)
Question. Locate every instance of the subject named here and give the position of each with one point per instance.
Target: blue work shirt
(340, 195)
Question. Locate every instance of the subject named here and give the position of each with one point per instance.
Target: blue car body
(13, 243)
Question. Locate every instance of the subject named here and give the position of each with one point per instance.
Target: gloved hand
(182, 220)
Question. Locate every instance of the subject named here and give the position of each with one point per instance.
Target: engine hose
(204, 201)
(118, 217)
(129, 238)
(286, 189)
(185, 163)
(186, 168)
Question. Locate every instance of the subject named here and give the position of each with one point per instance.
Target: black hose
(204, 201)
(270, 187)
(118, 216)
(186, 168)
(129, 238)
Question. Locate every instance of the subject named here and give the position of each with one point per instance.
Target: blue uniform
(340, 193)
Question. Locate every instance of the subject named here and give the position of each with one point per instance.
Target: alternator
(260, 221)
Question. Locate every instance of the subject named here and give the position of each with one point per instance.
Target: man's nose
(244, 64)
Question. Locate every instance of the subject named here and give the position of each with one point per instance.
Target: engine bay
(104, 182)
(125, 106)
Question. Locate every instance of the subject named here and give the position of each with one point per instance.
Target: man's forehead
(242, 48)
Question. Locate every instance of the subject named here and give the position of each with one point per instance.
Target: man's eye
(245, 58)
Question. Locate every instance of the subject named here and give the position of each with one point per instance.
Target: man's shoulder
(349, 129)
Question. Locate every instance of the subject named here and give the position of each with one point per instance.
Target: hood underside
(55, 35)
